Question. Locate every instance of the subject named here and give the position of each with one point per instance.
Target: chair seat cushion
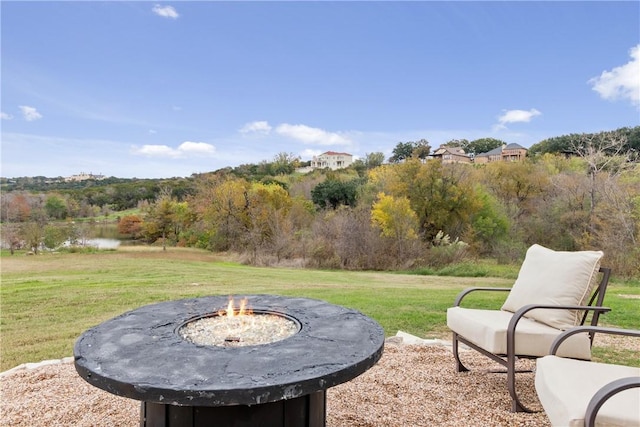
(488, 330)
(566, 386)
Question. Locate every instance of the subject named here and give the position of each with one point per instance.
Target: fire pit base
(304, 411)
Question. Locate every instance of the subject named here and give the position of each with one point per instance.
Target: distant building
(82, 176)
(451, 155)
(506, 153)
(332, 160)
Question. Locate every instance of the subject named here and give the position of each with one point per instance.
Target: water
(99, 243)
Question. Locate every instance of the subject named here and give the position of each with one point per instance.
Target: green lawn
(47, 301)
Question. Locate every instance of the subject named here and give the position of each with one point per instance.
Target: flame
(231, 311)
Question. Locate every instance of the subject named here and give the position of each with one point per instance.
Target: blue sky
(164, 89)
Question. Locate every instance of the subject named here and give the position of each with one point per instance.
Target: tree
(489, 224)
(220, 205)
(11, 236)
(55, 207)
(421, 149)
(53, 237)
(482, 145)
(395, 219)
(270, 227)
(604, 151)
(160, 218)
(373, 160)
(333, 193)
(15, 207)
(443, 198)
(130, 225)
(285, 163)
(402, 152)
(463, 143)
(33, 234)
(517, 185)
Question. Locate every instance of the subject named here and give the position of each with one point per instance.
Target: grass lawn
(47, 301)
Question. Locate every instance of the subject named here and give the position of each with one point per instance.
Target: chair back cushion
(555, 278)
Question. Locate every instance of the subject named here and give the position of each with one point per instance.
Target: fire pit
(146, 355)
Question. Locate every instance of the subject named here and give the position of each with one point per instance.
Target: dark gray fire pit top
(140, 354)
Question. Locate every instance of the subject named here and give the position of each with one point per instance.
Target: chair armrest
(527, 308)
(606, 392)
(511, 329)
(578, 329)
(467, 291)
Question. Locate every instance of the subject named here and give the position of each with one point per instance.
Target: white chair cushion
(557, 278)
(566, 386)
(488, 330)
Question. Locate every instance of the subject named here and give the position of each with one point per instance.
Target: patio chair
(551, 294)
(581, 393)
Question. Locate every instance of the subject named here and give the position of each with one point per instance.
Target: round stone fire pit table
(141, 355)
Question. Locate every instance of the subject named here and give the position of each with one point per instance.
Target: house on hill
(332, 160)
(506, 153)
(82, 176)
(451, 155)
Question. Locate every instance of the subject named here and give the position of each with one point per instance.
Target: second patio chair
(579, 393)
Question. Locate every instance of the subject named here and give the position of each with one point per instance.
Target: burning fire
(231, 311)
(237, 325)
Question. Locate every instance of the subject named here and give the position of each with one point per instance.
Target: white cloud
(186, 149)
(190, 147)
(5, 116)
(29, 113)
(262, 127)
(156, 151)
(314, 136)
(515, 116)
(621, 82)
(165, 11)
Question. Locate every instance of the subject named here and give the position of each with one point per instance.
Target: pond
(98, 243)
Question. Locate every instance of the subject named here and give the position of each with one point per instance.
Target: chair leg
(516, 405)
(454, 344)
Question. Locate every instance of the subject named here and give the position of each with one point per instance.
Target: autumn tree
(269, 228)
(396, 220)
(443, 198)
(32, 233)
(160, 218)
(15, 207)
(517, 185)
(220, 205)
(130, 225)
(284, 163)
(602, 152)
(11, 236)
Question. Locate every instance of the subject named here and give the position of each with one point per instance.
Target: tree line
(410, 213)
